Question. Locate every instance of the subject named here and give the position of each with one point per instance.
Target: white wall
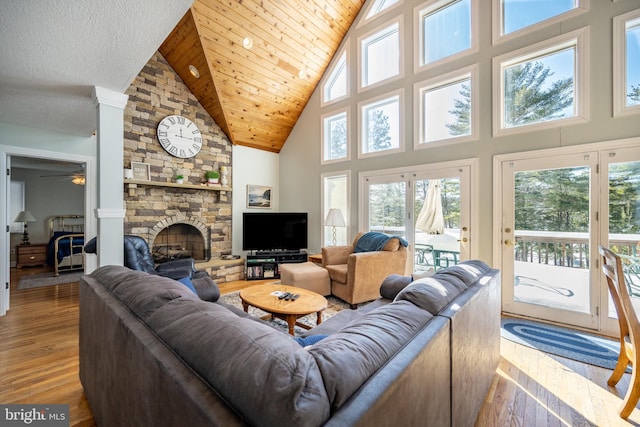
(300, 158)
(256, 167)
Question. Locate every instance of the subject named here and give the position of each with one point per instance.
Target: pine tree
(526, 99)
(379, 138)
(634, 95)
(462, 111)
(338, 145)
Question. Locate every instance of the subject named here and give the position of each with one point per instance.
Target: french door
(397, 203)
(556, 209)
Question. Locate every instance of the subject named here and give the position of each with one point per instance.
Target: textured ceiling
(54, 51)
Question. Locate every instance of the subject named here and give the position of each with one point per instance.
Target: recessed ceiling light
(302, 73)
(194, 71)
(247, 42)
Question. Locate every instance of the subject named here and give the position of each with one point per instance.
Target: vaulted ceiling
(258, 61)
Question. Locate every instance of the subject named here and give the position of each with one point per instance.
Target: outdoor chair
(629, 330)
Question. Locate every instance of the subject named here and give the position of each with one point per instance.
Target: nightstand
(31, 255)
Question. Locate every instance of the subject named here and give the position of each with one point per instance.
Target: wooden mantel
(207, 187)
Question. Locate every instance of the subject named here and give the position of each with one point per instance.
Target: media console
(266, 265)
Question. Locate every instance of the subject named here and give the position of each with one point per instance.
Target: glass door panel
(623, 221)
(387, 208)
(546, 239)
(437, 223)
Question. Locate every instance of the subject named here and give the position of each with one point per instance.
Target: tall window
(447, 107)
(626, 63)
(380, 125)
(335, 136)
(511, 16)
(446, 30)
(543, 85)
(336, 86)
(335, 195)
(380, 55)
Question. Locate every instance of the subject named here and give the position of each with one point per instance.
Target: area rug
(572, 344)
(48, 279)
(334, 306)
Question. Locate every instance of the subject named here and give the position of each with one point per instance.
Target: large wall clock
(179, 136)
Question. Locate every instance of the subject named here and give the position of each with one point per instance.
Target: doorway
(557, 207)
(32, 163)
(428, 205)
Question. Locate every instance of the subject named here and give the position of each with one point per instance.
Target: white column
(110, 152)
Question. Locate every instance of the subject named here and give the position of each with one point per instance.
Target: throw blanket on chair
(375, 241)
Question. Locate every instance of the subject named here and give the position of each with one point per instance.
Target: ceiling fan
(77, 177)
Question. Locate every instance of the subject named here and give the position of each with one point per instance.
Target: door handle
(463, 240)
(509, 242)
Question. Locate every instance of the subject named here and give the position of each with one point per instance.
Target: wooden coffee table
(261, 296)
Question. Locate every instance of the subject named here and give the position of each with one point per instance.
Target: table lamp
(334, 219)
(25, 217)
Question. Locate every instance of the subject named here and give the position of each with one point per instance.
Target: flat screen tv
(274, 231)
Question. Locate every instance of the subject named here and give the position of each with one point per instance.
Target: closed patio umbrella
(431, 220)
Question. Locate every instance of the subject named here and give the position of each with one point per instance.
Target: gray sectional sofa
(153, 353)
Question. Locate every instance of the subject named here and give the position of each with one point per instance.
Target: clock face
(179, 136)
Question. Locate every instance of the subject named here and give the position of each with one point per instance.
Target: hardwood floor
(39, 365)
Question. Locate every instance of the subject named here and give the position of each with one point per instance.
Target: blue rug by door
(572, 344)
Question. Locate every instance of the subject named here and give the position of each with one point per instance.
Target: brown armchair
(356, 276)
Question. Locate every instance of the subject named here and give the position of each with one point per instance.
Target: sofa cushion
(135, 289)
(431, 293)
(466, 273)
(262, 372)
(338, 272)
(349, 357)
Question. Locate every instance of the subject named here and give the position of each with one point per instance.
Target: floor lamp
(334, 219)
(25, 217)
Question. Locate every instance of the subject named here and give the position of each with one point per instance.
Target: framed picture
(258, 196)
(141, 171)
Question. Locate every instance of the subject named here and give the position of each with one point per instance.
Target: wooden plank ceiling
(256, 94)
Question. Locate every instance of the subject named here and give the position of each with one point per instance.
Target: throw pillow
(187, 282)
(393, 284)
(311, 340)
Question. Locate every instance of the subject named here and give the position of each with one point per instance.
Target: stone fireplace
(177, 219)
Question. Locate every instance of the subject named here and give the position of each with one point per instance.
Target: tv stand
(278, 252)
(266, 264)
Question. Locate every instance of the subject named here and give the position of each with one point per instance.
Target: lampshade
(334, 218)
(24, 216)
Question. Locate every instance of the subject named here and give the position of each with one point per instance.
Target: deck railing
(567, 249)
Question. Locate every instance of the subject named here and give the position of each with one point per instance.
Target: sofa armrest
(333, 255)
(367, 271)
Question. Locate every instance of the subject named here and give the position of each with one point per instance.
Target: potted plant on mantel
(179, 179)
(212, 177)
